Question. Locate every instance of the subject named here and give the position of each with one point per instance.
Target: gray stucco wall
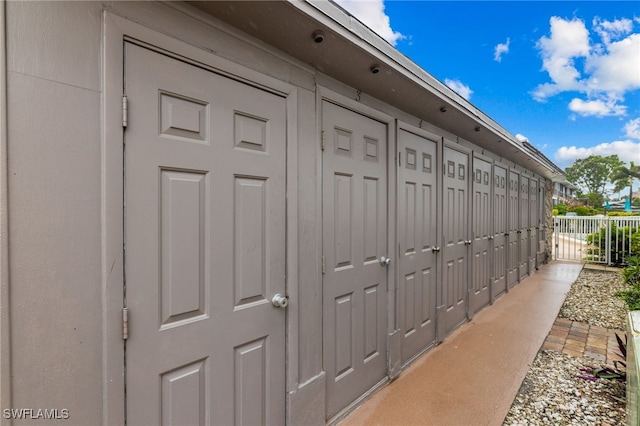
(54, 130)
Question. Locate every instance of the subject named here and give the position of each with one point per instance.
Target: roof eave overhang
(351, 49)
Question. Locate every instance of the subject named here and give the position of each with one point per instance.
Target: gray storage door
(455, 228)
(541, 221)
(205, 246)
(480, 295)
(513, 202)
(523, 231)
(354, 199)
(533, 223)
(500, 231)
(417, 226)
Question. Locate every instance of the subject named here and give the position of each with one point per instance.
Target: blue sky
(563, 75)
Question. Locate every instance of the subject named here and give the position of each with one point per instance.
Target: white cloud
(626, 150)
(544, 91)
(617, 70)
(632, 129)
(608, 30)
(609, 71)
(459, 87)
(569, 40)
(597, 108)
(501, 49)
(371, 13)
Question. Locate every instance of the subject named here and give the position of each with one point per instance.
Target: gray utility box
(633, 367)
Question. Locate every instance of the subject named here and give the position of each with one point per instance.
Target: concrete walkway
(474, 375)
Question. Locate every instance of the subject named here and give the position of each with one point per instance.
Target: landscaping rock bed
(552, 392)
(592, 300)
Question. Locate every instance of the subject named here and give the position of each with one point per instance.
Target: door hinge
(125, 323)
(324, 264)
(399, 159)
(322, 140)
(125, 111)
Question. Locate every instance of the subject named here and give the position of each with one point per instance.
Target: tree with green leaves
(592, 174)
(623, 176)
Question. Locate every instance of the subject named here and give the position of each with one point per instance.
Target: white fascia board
(339, 20)
(336, 18)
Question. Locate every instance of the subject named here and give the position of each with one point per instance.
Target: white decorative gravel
(592, 300)
(552, 393)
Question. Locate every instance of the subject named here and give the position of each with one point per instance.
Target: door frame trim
(117, 30)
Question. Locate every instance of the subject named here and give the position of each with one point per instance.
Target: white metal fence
(597, 239)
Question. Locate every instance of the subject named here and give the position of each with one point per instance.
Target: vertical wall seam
(5, 330)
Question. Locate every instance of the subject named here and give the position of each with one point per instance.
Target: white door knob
(280, 301)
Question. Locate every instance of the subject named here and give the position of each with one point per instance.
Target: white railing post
(607, 243)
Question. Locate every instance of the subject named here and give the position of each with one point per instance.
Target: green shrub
(631, 276)
(631, 273)
(631, 296)
(562, 209)
(624, 242)
(622, 214)
(584, 211)
(555, 212)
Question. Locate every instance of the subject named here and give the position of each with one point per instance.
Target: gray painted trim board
(5, 315)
